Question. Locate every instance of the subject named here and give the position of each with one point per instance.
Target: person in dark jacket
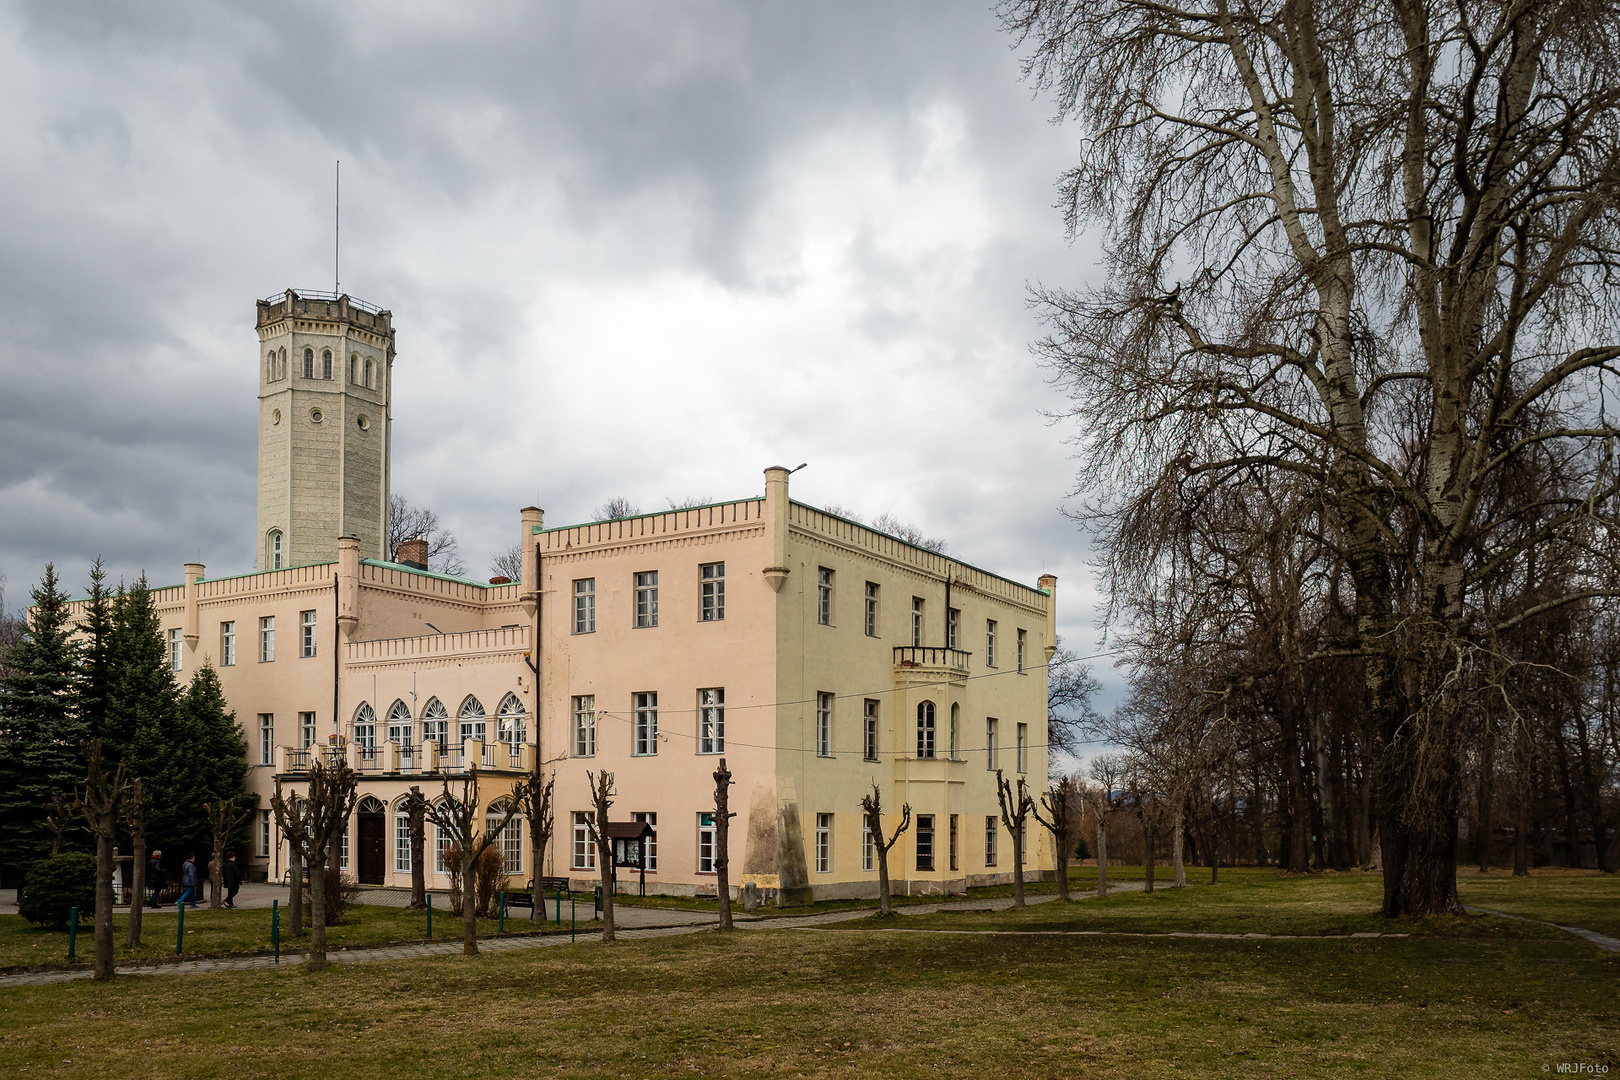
(155, 878)
(188, 880)
(231, 875)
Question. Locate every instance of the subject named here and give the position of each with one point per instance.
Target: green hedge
(55, 886)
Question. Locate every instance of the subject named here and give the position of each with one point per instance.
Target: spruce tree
(40, 727)
(96, 666)
(144, 724)
(220, 747)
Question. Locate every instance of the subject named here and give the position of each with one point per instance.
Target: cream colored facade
(817, 656)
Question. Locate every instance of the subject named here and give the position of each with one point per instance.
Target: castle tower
(326, 367)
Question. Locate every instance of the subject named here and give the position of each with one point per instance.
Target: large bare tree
(456, 815)
(882, 842)
(602, 792)
(533, 795)
(1016, 806)
(409, 522)
(1368, 245)
(311, 825)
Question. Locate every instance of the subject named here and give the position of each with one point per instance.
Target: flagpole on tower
(337, 225)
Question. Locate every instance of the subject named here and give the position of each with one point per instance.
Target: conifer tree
(96, 661)
(40, 726)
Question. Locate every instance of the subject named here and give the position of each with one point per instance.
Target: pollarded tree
(882, 842)
(311, 825)
(101, 802)
(1015, 810)
(457, 816)
(533, 795)
(722, 841)
(602, 793)
(1062, 820)
(1369, 245)
(416, 808)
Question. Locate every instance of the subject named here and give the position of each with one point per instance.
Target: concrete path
(1607, 944)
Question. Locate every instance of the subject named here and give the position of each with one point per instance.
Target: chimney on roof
(414, 553)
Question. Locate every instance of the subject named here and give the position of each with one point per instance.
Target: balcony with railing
(915, 664)
(392, 759)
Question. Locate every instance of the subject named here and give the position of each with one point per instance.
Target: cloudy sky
(638, 249)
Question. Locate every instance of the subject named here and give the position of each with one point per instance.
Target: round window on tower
(275, 416)
(316, 416)
(365, 423)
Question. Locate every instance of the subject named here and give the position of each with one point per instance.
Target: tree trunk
(1178, 833)
(605, 854)
(537, 855)
(883, 876)
(1060, 856)
(1487, 771)
(1521, 834)
(1018, 866)
(722, 842)
(317, 917)
(106, 833)
(418, 866)
(469, 906)
(1147, 841)
(216, 886)
(295, 901)
(137, 904)
(1102, 855)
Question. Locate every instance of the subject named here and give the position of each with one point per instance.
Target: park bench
(525, 896)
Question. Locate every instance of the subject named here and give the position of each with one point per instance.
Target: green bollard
(559, 907)
(275, 929)
(573, 919)
(500, 927)
(180, 929)
(430, 916)
(73, 932)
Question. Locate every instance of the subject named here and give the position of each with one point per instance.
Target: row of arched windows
(363, 370)
(471, 723)
(510, 838)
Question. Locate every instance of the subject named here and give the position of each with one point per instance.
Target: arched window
(281, 363)
(326, 363)
(925, 730)
(509, 721)
(309, 363)
(956, 717)
(365, 730)
(277, 557)
(400, 725)
(270, 367)
(441, 844)
(372, 805)
(472, 719)
(511, 837)
(435, 723)
(368, 374)
(354, 367)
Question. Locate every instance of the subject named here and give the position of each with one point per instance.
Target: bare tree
(614, 509)
(311, 825)
(456, 815)
(722, 841)
(534, 795)
(1367, 247)
(416, 806)
(408, 522)
(1062, 821)
(1105, 772)
(1070, 690)
(901, 530)
(601, 800)
(223, 820)
(689, 502)
(1015, 811)
(872, 811)
(100, 803)
(134, 817)
(58, 819)
(507, 563)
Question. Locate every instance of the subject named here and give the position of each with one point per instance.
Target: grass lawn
(861, 1001)
(226, 932)
(1584, 898)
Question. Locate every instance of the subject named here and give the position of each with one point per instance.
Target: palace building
(817, 655)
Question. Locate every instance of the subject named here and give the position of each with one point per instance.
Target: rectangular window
(952, 618)
(1023, 743)
(436, 729)
(647, 599)
(585, 606)
(868, 847)
(871, 609)
(990, 643)
(585, 725)
(1020, 656)
(712, 720)
(869, 733)
(823, 843)
(990, 732)
(399, 731)
(925, 841)
(264, 833)
(646, 723)
(306, 730)
(511, 845)
(651, 818)
(306, 638)
(343, 849)
(916, 620)
(953, 841)
(989, 839)
(713, 578)
(584, 850)
(824, 597)
(824, 708)
(227, 644)
(402, 843)
(706, 843)
(267, 639)
(267, 738)
(175, 640)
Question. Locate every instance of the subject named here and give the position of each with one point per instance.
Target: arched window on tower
(281, 363)
(368, 374)
(354, 368)
(276, 555)
(270, 367)
(326, 363)
(309, 363)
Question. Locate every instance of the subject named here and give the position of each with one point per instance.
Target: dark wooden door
(372, 863)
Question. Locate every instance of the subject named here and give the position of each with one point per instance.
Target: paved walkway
(1607, 944)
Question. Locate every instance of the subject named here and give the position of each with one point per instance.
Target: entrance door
(372, 863)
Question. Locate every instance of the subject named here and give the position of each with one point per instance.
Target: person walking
(188, 880)
(155, 877)
(232, 876)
